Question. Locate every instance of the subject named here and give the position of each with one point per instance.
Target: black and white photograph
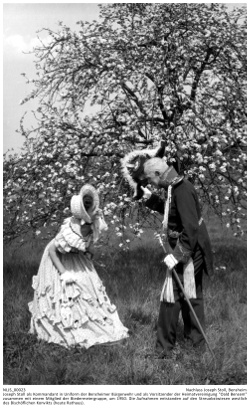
(124, 204)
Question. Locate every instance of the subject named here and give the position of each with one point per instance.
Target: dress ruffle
(77, 313)
(67, 239)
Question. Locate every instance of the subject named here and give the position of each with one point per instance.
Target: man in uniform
(189, 250)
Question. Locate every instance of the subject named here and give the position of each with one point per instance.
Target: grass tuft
(133, 280)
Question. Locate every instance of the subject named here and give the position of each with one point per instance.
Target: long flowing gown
(76, 313)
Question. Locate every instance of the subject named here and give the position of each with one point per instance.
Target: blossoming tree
(141, 74)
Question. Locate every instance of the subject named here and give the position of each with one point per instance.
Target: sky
(21, 21)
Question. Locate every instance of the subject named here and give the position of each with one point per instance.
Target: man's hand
(146, 192)
(170, 261)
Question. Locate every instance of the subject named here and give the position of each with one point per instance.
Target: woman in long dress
(70, 305)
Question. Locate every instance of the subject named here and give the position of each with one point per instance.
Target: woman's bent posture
(70, 305)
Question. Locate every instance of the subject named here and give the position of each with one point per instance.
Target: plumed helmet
(133, 167)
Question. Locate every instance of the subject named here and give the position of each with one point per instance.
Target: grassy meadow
(133, 280)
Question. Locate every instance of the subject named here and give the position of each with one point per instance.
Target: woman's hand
(89, 255)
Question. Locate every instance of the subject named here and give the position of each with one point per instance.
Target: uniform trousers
(169, 312)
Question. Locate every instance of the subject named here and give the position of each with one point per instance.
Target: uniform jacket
(184, 230)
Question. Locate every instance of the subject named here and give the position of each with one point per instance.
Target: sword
(187, 299)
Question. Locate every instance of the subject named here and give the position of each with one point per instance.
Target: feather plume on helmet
(133, 167)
